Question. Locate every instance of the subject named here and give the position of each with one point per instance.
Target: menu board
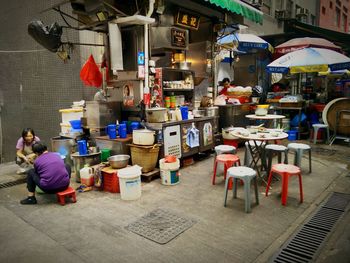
(178, 37)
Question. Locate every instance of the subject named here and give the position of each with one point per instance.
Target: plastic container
(130, 182)
(71, 114)
(167, 102)
(169, 172)
(110, 181)
(292, 135)
(184, 112)
(87, 176)
(76, 124)
(134, 126)
(122, 130)
(111, 131)
(233, 143)
(105, 153)
(82, 147)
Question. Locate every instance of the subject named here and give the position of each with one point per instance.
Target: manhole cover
(160, 226)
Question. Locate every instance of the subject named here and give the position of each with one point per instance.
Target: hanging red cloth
(90, 73)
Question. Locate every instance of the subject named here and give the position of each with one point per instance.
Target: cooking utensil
(156, 114)
(143, 137)
(119, 161)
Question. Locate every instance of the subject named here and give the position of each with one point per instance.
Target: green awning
(240, 8)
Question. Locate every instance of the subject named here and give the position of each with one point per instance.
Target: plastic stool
(299, 149)
(222, 149)
(245, 174)
(270, 148)
(247, 155)
(69, 192)
(285, 171)
(317, 127)
(228, 160)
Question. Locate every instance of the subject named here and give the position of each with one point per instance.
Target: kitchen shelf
(178, 89)
(179, 70)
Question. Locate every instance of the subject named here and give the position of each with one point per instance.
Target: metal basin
(119, 161)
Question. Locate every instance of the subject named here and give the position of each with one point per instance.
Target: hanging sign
(141, 58)
(178, 37)
(186, 19)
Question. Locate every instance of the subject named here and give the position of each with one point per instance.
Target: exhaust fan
(47, 36)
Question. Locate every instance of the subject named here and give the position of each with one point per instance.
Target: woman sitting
(24, 155)
(50, 174)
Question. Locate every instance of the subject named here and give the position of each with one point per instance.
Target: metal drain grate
(9, 184)
(160, 226)
(306, 243)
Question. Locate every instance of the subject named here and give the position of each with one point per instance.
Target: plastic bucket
(184, 112)
(130, 182)
(169, 172)
(105, 153)
(292, 135)
(82, 147)
(111, 131)
(122, 130)
(134, 126)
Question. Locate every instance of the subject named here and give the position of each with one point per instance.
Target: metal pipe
(146, 89)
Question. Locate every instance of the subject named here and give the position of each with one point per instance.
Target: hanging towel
(192, 139)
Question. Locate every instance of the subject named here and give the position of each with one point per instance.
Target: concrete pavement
(93, 229)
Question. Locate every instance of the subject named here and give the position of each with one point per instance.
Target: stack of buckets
(169, 170)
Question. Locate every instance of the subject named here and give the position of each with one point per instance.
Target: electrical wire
(22, 51)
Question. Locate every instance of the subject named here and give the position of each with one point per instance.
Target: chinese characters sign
(187, 20)
(178, 37)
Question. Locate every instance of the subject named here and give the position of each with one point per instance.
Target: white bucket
(130, 182)
(169, 172)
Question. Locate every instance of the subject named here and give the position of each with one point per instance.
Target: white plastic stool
(317, 127)
(246, 174)
(223, 148)
(299, 149)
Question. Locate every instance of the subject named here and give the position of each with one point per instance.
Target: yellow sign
(310, 68)
(187, 20)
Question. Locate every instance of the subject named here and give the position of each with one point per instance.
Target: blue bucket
(292, 135)
(82, 147)
(122, 130)
(184, 112)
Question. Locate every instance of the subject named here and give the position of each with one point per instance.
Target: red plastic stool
(285, 171)
(228, 160)
(69, 192)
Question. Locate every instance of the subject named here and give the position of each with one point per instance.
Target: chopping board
(330, 112)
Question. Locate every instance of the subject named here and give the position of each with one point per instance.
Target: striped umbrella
(309, 60)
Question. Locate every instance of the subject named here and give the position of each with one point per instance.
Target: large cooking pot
(156, 114)
(143, 137)
(211, 111)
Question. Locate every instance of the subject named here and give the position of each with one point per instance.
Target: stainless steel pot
(183, 65)
(197, 113)
(156, 114)
(212, 111)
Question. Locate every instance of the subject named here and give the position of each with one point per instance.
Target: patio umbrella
(309, 60)
(243, 42)
(303, 42)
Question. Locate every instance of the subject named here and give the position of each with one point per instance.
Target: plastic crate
(110, 182)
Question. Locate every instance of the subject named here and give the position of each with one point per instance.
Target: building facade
(334, 15)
